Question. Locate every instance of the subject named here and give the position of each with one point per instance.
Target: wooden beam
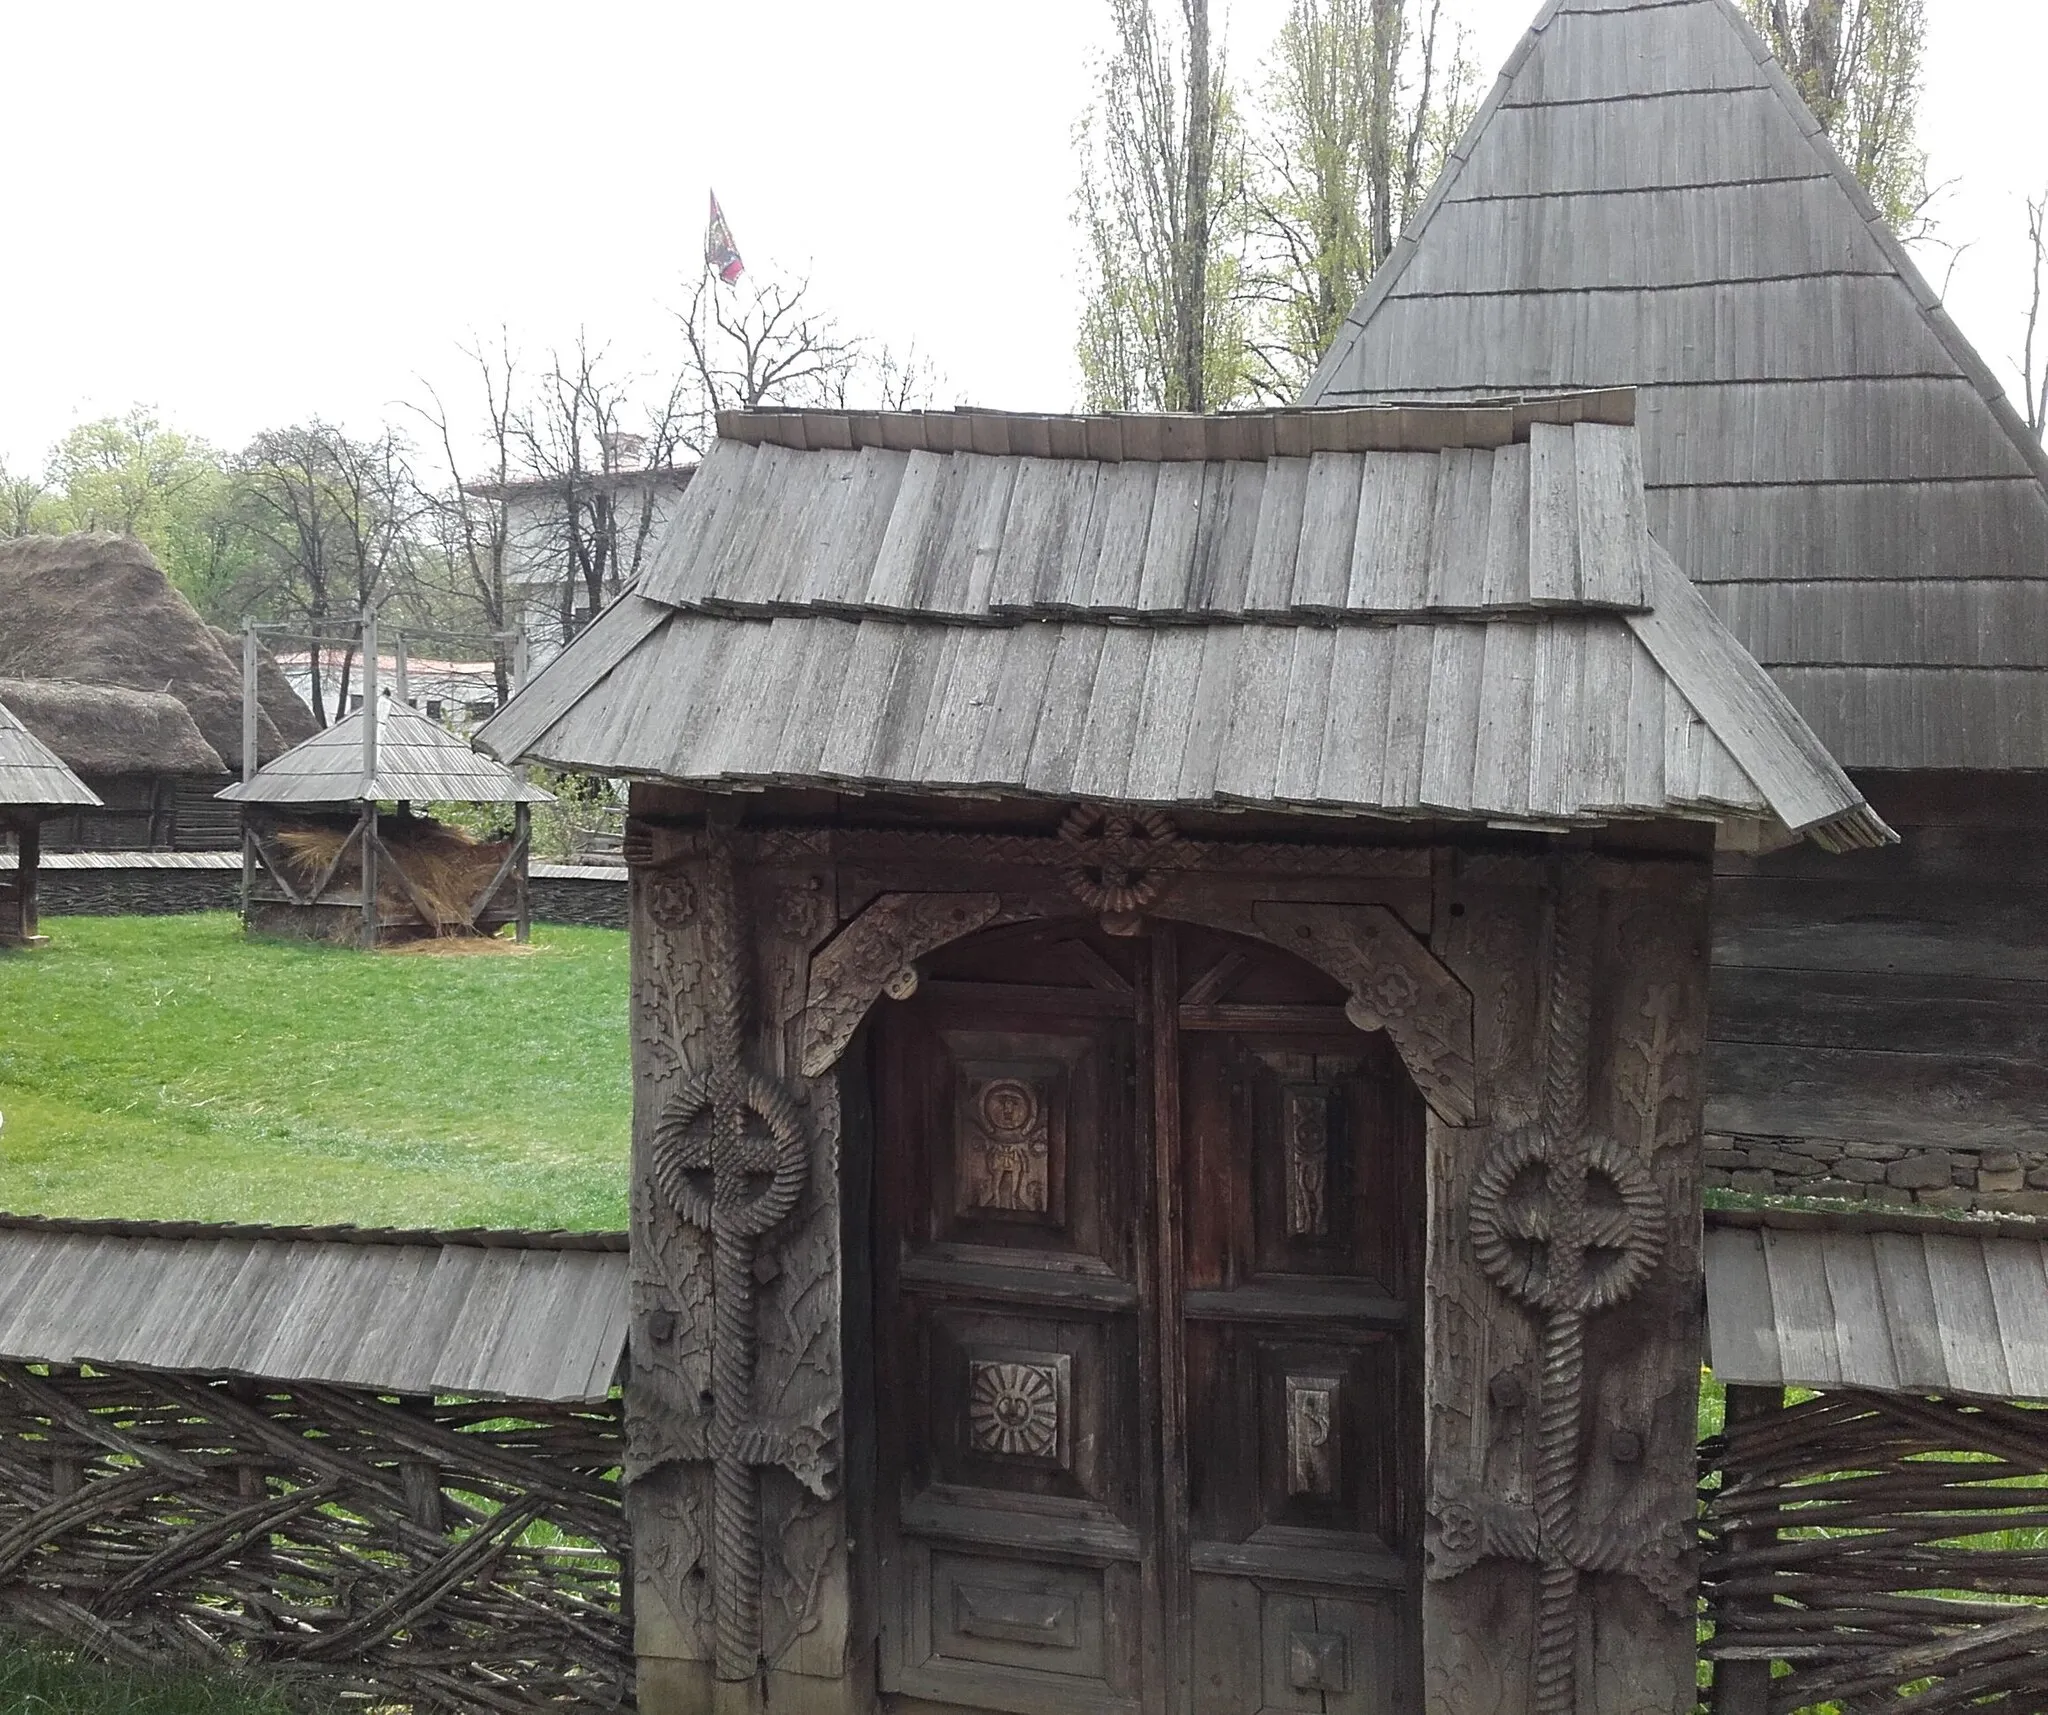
(522, 842)
(367, 828)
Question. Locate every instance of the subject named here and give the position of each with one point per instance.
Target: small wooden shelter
(1170, 971)
(321, 860)
(34, 785)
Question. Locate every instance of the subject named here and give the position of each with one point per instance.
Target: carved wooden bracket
(874, 954)
(1396, 985)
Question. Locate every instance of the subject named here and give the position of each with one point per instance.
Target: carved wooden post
(734, 1407)
(1564, 1257)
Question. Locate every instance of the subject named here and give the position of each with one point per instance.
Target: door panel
(1054, 1373)
(1010, 1312)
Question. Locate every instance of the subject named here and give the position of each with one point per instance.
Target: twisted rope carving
(1537, 1236)
(738, 1130)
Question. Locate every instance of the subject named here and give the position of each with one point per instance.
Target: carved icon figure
(1005, 1155)
(1308, 1162)
(1311, 1434)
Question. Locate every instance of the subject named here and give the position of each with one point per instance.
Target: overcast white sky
(246, 214)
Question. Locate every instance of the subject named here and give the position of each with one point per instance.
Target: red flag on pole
(721, 255)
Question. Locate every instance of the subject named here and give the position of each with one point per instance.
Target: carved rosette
(1119, 861)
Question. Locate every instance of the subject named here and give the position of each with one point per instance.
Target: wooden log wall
(1880, 1019)
(438, 1554)
(1878, 1545)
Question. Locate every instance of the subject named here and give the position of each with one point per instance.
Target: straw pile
(446, 867)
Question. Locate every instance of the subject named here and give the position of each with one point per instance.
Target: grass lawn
(37, 1680)
(166, 1068)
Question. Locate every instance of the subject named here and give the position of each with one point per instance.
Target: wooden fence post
(1744, 1687)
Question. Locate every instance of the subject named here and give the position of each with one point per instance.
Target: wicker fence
(428, 1552)
(1890, 1550)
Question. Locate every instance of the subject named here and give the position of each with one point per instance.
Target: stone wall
(135, 892)
(1995, 1180)
(156, 890)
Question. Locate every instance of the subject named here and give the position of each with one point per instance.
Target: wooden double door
(1146, 1362)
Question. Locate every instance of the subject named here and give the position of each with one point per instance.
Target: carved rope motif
(1544, 1241)
(730, 1158)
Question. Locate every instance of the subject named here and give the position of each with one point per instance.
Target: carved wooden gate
(1149, 1240)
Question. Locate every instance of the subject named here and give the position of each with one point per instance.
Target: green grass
(38, 1680)
(167, 1068)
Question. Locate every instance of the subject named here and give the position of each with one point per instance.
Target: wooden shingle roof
(418, 760)
(1644, 201)
(506, 1315)
(31, 775)
(1878, 1301)
(1452, 614)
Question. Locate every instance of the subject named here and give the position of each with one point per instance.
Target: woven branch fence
(435, 1554)
(1892, 1551)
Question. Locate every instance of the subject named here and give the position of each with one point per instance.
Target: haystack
(445, 869)
(97, 610)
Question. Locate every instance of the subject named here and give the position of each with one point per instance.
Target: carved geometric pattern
(1307, 1132)
(730, 1157)
(1004, 1155)
(1318, 1661)
(1015, 1406)
(1312, 1434)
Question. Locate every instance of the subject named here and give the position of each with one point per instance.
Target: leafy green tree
(132, 476)
(1228, 233)
(1161, 211)
(1361, 104)
(1858, 64)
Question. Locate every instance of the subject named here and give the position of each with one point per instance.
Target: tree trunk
(1194, 284)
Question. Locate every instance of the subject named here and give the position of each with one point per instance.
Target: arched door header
(1393, 981)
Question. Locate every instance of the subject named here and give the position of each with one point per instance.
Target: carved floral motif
(1306, 1129)
(1014, 1407)
(1119, 861)
(1312, 1434)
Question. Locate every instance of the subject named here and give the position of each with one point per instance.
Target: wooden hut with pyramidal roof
(321, 859)
(1170, 965)
(34, 785)
(1644, 201)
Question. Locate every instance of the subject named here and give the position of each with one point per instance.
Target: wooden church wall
(1880, 1018)
(1562, 1297)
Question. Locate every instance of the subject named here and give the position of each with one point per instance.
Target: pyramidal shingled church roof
(1644, 200)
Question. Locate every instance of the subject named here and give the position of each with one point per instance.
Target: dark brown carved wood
(1260, 1298)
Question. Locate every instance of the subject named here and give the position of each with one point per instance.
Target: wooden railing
(444, 1554)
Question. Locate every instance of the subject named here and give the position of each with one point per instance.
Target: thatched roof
(98, 610)
(31, 774)
(418, 761)
(108, 729)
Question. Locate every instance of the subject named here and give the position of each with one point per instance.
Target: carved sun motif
(1013, 1409)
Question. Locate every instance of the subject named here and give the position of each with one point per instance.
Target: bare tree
(334, 519)
(764, 343)
(470, 524)
(2034, 372)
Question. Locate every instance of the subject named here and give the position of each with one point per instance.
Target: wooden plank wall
(1879, 1018)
